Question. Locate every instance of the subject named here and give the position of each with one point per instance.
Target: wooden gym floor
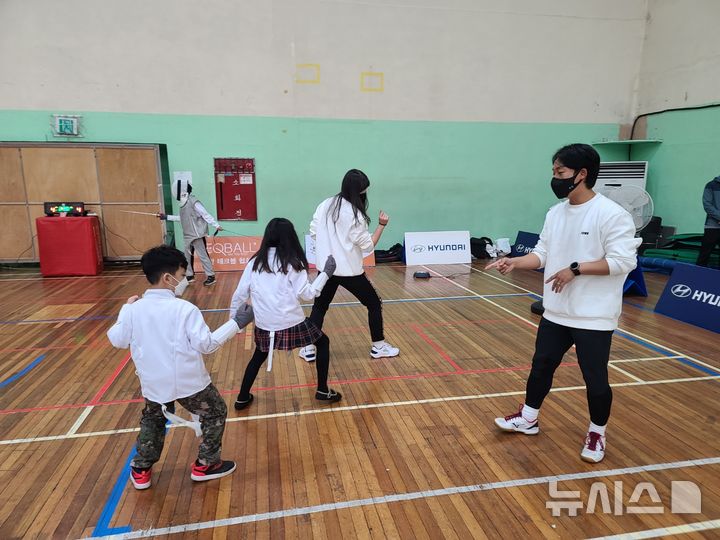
(410, 452)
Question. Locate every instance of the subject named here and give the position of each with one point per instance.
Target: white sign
(440, 247)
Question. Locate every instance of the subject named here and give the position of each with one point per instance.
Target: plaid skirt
(300, 335)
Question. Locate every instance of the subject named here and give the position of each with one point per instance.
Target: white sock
(597, 429)
(378, 344)
(530, 414)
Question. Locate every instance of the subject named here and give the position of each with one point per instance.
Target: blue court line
(639, 306)
(102, 528)
(23, 372)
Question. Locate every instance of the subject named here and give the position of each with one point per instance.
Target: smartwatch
(575, 268)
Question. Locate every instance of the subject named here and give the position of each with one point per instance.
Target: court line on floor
(23, 371)
(288, 387)
(225, 310)
(309, 385)
(100, 393)
(295, 386)
(334, 409)
(415, 495)
(526, 321)
(662, 349)
(436, 347)
(686, 528)
(48, 279)
(79, 422)
(649, 358)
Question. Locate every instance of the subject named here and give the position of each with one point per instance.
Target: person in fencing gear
(194, 219)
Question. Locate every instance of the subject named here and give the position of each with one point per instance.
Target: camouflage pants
(208, 404)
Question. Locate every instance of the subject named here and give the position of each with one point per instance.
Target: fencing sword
(154, 214)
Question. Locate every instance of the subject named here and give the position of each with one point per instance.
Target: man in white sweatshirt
(587, 247)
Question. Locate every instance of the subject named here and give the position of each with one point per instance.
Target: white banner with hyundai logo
(692, 294)
(439, 247)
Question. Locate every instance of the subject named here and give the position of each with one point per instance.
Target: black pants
(361, 288)
(593, 352)
(711, 238)
(322, 363)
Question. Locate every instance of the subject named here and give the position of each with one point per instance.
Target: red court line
(96, 399)
(335, 330)
(435, 346)
(289, 387)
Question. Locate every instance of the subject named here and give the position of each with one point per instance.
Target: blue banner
(692, 295)
(524, 243)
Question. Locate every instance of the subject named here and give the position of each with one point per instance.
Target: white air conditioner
(622, 173)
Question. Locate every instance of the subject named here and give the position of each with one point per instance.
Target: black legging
(361, 288)
(258, 359)
(593, 352)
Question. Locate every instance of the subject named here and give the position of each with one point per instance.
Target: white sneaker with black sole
(308, 353)
(594, 448)
(384, 351)
(516, 423)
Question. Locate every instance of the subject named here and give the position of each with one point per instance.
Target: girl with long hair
(340, 229)
(273, 280)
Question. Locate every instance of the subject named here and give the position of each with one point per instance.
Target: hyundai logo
(418, 249)
(519, 248)
(681, 291)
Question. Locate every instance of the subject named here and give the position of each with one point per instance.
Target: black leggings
(361, 288)
(593, 352)
(258, 359)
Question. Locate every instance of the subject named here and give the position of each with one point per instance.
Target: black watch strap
(575, 267)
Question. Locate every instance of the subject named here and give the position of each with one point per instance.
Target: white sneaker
(594, 449)
(308, 353)
(384, 351)
(516, 422)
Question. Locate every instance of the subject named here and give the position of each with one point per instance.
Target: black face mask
(563, 186)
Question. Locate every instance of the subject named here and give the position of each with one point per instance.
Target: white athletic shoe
(516, 423)
(308, 353)
(384, 351)
(594, 449)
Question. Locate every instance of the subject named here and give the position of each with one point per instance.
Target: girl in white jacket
(340, 229)
(274, 279)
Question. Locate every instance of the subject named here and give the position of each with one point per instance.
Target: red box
(69, 246)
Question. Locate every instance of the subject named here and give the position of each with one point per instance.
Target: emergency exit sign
(66, 125)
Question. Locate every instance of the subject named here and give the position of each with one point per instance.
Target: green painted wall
(490, 178)
(679, 168)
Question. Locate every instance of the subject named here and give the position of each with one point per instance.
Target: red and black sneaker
(140, 478)
(200, 473)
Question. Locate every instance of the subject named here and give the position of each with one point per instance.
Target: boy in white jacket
(587, 247)
(167, 337)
